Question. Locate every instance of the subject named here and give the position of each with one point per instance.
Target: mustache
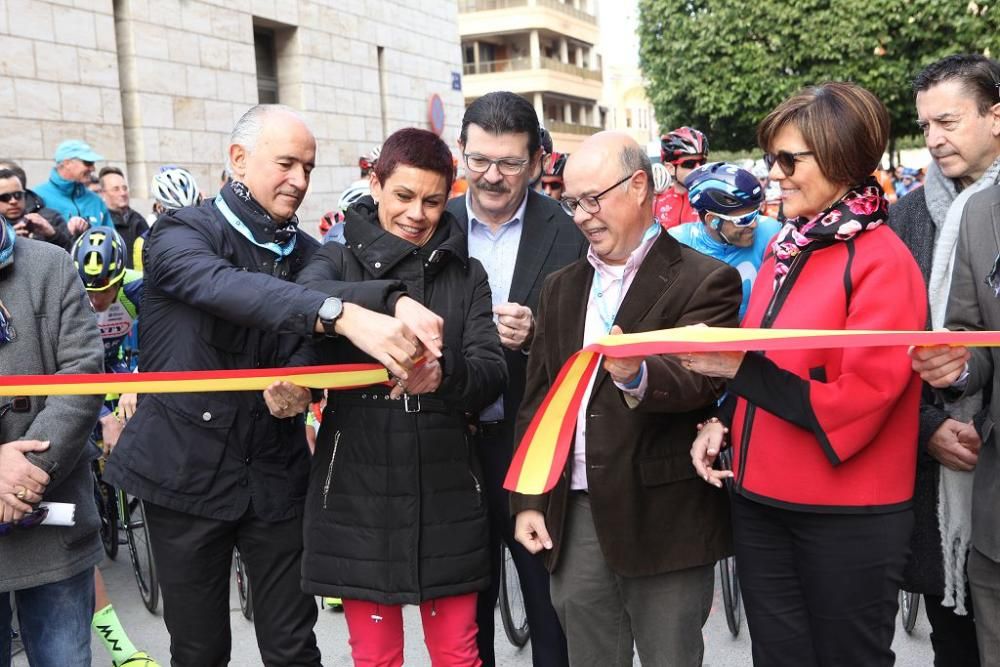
(498, 188)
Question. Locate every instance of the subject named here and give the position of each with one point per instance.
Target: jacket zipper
(479, 489)
(769, 315)
(329, 471)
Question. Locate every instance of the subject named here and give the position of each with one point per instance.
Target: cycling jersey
(745, 260)
(117, 325)
(672, 208)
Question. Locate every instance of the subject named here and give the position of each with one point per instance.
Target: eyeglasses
(689, 164)
(8, 196)
(740, 220)
(87, 163)
(591, 203)
(29, 520)
(508, 166)
(785, 160)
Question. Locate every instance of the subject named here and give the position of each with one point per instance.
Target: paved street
(148, 632)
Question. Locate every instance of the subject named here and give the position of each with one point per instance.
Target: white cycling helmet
(175, 188)
(356, 191)
(661, 178)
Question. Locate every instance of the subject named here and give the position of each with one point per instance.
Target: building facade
(155, 82)
(541, 49)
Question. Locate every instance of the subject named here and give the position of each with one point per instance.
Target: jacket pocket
(187, 437)
(655, 472)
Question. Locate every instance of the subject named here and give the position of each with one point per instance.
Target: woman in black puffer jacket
(395, 512)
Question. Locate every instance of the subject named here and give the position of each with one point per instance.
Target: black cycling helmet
(99, 256)
(546, 140)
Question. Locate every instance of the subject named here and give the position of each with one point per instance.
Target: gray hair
(248, 127)
(632, 159)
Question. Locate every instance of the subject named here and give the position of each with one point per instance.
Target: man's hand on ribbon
(515, 324)
(386, 339)
(285, 399)
(625, 369)
(530, 531)
(939, 366)
(21, 482)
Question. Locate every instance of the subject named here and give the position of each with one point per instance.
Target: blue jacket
(73, 199)
(745, 260)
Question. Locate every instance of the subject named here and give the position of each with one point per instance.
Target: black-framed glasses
(32, 519)
(508, 166)
(785, 160)
(16, 404)
(591, 203)
(7, 197)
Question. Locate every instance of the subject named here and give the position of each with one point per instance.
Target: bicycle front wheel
(731, 595)
(141, 552)
(512, 613)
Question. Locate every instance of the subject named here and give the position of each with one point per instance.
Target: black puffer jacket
(395, 510)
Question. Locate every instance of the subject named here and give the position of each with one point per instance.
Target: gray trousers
(604, 614)
(984, 580)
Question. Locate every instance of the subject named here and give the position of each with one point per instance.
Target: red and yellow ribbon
(345, 376)
(545, 446)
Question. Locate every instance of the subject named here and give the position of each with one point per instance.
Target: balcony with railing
(470, 6)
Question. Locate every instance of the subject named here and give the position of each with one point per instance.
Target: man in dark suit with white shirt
(520, 236)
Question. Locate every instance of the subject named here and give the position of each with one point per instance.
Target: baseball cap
(75, 148)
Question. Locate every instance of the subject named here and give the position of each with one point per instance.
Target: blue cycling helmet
(721, 187)
(99, 256)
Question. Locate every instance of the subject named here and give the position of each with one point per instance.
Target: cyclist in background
(552, 174)
(115, 294)
(730, 226)
(681, 151)
(172, 188)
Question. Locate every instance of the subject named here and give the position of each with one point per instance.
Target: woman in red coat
(824, 441)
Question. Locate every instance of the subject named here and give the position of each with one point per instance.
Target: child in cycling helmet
(730, 226)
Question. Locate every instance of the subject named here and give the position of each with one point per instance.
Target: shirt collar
(635, 259)
(518, 214)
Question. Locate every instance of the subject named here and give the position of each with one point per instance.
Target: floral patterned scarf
(863, 208)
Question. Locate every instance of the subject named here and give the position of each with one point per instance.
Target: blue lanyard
(597, 288)
(238, 225)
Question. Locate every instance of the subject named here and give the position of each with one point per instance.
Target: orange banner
(544, 448)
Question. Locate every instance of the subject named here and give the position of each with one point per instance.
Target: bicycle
(512, 612)
(121, 513)
(909, 605)
(731, 595)
(243, 586)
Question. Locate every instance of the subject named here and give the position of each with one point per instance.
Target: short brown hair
(845, 125)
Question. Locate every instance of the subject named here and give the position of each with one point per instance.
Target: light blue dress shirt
(497, 252)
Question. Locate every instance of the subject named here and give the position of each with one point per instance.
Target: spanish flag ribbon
(345, 376)
(545, 446)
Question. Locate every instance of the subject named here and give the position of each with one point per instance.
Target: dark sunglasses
(785, 160)
(8, 196)
(87, 163)
(689, 164)
(29, 520)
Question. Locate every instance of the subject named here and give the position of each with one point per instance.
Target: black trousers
(194, 562)
(820, 590)
(494, 444)
(953, 637)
